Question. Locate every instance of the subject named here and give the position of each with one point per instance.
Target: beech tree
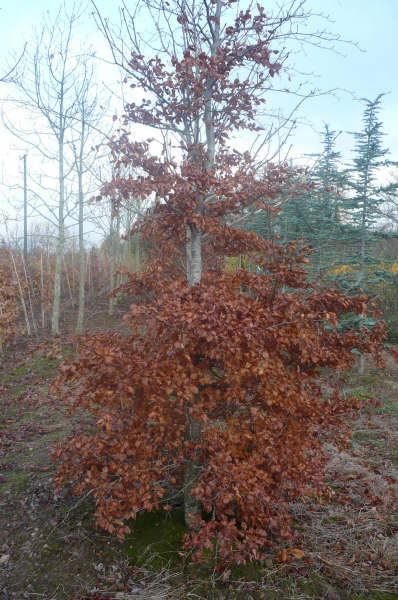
(213, 401)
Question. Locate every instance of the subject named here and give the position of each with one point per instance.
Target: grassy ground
(50, 549)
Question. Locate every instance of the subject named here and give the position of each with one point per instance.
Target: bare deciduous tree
(51, 85)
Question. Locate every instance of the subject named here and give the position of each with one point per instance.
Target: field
(50, 549)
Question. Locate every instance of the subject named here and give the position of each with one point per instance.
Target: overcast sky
(364, 72)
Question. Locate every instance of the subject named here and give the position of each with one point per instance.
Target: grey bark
(114, 235)
(82, 271)
(43, 320)
(192, 507)
(60, 239)
(25, 211)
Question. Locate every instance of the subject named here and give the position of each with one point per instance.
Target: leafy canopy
(213, 399)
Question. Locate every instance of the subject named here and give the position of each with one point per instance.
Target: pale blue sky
(372, 24)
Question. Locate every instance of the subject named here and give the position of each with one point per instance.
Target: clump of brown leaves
(243, 364)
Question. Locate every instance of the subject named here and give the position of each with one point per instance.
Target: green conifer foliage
(324, 203)
(362, 206)
(314, 214)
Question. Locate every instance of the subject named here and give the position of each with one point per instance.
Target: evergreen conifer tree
(325, 205)
(314, 212)
(363, 207)
(364, 269)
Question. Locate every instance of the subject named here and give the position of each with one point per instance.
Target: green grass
(389, 406)
(39, 366)
(22, 376)
(15, 482)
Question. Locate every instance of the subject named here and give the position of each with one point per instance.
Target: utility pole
(25, 211)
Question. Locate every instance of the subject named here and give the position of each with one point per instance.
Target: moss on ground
(21, 377)
(15, 482)
(38, 366)
(156, 538)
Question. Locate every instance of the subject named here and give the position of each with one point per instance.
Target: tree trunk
(82, 282)
(60, 242)
(82, 279)
(191, 472)
(137, 258)
(193, 429)
(118, 249)
(362, 262)
(112, 250)
(43, 320)
(72, 300)
(1, 335)
(196, 256)
(194, 276)
(25, 212)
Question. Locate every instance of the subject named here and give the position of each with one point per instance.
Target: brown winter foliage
(213, 399)
(8, 300)
(243, 364)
